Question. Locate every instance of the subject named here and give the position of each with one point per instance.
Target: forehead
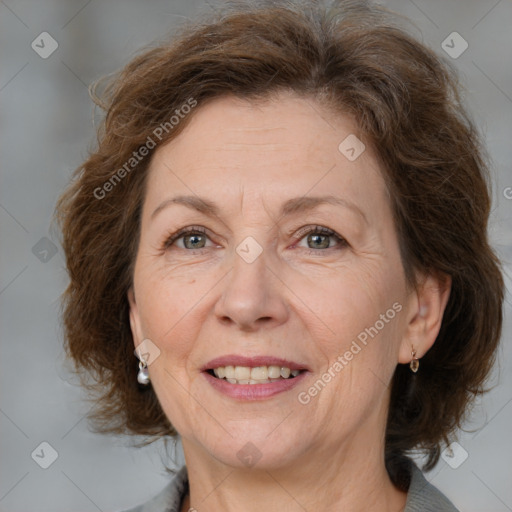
(284, 123)
(289, 144)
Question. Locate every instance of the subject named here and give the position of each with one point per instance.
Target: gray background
(46, 125)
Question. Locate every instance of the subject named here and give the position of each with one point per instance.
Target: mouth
(253, 378)
(255, 374)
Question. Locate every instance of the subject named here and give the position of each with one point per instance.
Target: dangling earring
(414, 364)
(143, 375)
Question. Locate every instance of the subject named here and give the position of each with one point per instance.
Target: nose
(253, 296)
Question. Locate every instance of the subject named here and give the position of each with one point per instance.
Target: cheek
(167, 302)
(173, 396)
(362, 322)
(354, 302)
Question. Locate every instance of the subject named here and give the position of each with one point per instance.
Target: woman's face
(263, 277)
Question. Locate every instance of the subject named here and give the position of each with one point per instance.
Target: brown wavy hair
(355, 59)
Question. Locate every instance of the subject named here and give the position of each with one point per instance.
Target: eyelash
(198, 230)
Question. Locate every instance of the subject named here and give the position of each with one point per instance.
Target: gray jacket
(421, 497)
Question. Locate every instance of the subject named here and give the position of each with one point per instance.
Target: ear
(425, 314)
(135, 322)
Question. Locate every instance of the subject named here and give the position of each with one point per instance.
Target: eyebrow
(290, 207)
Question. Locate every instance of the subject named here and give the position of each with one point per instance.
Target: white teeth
(259, 373)
(242, 373)
(274, 372)
(220, 372)
(255, 375)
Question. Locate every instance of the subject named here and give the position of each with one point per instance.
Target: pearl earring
(143, 375)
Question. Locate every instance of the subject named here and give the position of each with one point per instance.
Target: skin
(304, 299)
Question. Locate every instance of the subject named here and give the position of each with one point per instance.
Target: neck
(348, 477)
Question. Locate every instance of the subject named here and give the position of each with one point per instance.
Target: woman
(279, 253)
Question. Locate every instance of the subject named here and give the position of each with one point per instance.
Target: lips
(237, 360)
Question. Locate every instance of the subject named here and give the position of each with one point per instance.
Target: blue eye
(196, 235)
(320, 237)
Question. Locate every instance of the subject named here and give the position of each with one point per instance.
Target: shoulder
(169, 498)
(424, 497)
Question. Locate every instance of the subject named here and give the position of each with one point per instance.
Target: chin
(256, 448)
